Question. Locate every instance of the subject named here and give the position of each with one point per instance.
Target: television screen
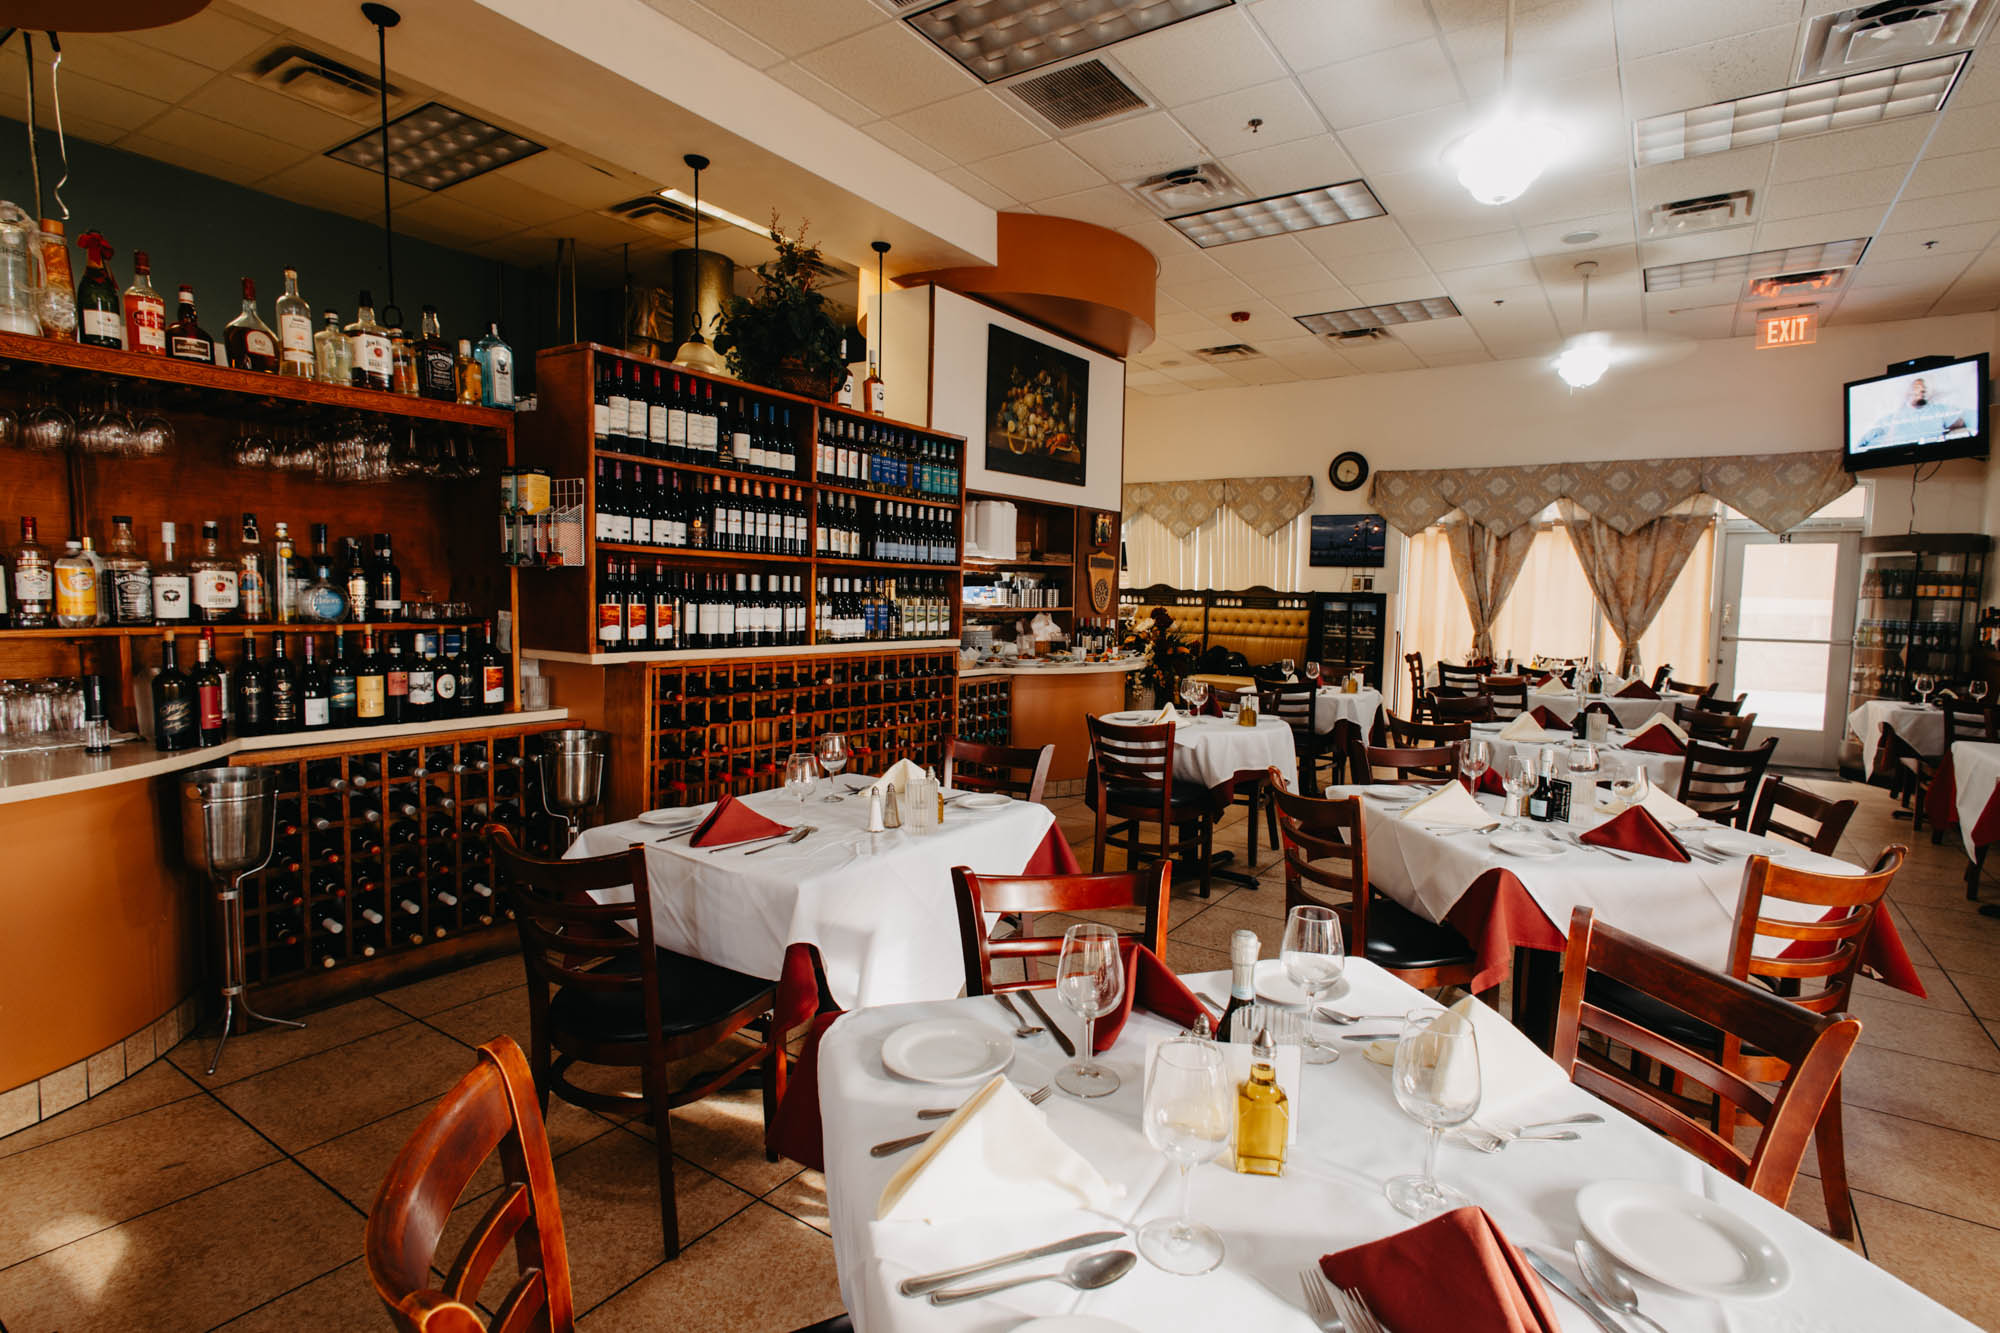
(1357, 540)
(1918, 416)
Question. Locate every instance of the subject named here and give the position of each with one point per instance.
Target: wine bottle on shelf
(370, 685)
(342, 704)
(175, 720)
(617, 411)
(492, 672)
(422, 703)
(444, 674)
(145, 310)
(253, 693)
(355, 581)
(206, 678)
(248, 339)
(282, 687)
(100, 311)
(295, 331)
(385, 581)
(186, 339)
(395, 684)
(466, 664)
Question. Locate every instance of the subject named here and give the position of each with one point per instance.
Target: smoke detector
(1189, 189)
(1708, 212)
(1894, 32)
(1228, 352)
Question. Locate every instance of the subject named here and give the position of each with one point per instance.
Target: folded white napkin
(997, 1155)
(1513, 1071)
(1167, 714)
(1522, 728)
(1449, 804)
(899, 776)
(1663, 720)
(1662, 807)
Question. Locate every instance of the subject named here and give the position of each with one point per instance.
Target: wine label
(193, 349)
(132, 596)
(215, 590)
(637, 627)
(677, 427)
(493, 684)
(397, 684)
(172, 718)
(318, 711)
(387, 610)
(423, 688)
(343, 691)
(610, 622)
(145, 326)
(447, 686)
(295, 331)
(171, 599)
(33, 584)
(76, 592)
(104, 324)
(601, 427)
(369, 693)
(210, 697)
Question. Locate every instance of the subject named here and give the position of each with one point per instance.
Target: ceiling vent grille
(1709, 212)
(1189, 189)
(1891, 33)
(1085, 93)
(306, 76)
(1228, 352)
(1361, 335)
(1806, 283)
(653, 206)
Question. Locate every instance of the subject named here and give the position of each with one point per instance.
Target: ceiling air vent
(1189, 189)
(1228, 352)
(1797, 284)
(1710, 212)
(1891, 33)
(1085, 93)
(1360, 335)
(319, 81)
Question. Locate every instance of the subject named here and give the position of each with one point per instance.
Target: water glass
(1474, 758)
(1195, 692)
(831, 750)
(1090, 979)
(1314, 959)
(1189, 1110)
(1978, 690)
(1436, 1078)
(801, 773)
(1518, 776)
(1631, 785)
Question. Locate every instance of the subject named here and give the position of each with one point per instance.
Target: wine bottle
(283, 688)
(371, 685)
(174, 716)
(315, 704)
(492, 673)
(253, 693)
(396, 684)
(341, 687)
(100, 312)
(1242, 984)
(207, 682)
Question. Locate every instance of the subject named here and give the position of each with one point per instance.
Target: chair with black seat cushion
(1326, 865)
(1463, 708)
(1131, 786)
(600, 992)
(1294, 705)
(1017, 770)
(1828, 818)
(1721, 783)
(980, 896)
(1430, 763)
(1414, 735)
(1461, 679)
(1703, 724)
(1509, 695)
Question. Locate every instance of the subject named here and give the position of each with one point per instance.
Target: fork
(1035, 1098)
(1320, 1303)
(1356, 1312)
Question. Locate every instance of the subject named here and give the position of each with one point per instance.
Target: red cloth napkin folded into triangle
(732, 821)
(1212, 705)
(1548, 718)
(1489, 782)
(1656, 739)
(1637, 831)
(1638, 689)
(1454, 1272)
(1151, 986)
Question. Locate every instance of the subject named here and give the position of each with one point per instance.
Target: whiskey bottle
(145, 311)
(215, 578)
(437, 372)
(296, 354)
(251, 344)
(129, 575)
(100, 313)
(186, 339)
(34, 581)
(283, 688)
(368, 347)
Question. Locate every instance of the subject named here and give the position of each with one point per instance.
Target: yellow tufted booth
(1262, 634)
(1188, 619)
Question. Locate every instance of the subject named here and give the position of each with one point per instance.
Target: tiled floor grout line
(196, 1090)
(144, 1212)
(281, 1295)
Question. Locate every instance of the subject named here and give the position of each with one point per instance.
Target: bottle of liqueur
(385, 581)
(321, 600)
(34, 581)
(282, 687)
(174, 709)
(342, 704)
(129, 575)
(470, 385)
(251, 344)
(76, 590)
(284, 580)
(58, 305)
(368, 347)
(356, 582)
(253, 693)
(315, 698)
(496, 370)
(186, 339)
(145, 310)
(333, 359)
(492, 674)
(253, 588)
(100, 312)
(173, 586)
(296, 354)
(206, 678)
(371, 684)
(216, 594)
(437, 371)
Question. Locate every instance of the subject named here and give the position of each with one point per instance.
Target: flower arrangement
(1169, 656)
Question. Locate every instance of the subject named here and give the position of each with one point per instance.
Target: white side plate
(987, 800)
(947, 1050)
(1526, 844)
(1273, 986)
(1682, 1240)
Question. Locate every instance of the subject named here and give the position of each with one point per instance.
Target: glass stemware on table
(1517, 775)
(1977, 689)
(1314, 957)
(1436, 1078)
(1195, 692)
(1290, 666)
(1312, 673)
(1189, 1110)
(1630, 784)
(831, 750)
(1474, 758)
(801, 775)
(1090, 979)
(1925, 684)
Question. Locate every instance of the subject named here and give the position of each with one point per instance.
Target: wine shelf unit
(560, 437)
(1070, 547)
(986, 711)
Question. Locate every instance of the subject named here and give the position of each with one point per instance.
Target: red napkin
(1489, 782)
(1211, 706)
(1152, 987)
(1454, 1272)
(732, 821)
(1656, 739)
(1638, 689)
(1637, 831)
(1548, 718)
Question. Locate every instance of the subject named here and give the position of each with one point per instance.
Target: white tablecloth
(1360, 708)
(1688, 907)
(1663, 770)
(879, 906)
(1975, 769)
(1919, 724)
(1352, 1137)
(1212, 750)
(1629, 712)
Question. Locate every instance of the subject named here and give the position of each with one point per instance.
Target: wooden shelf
(731, 654)
(224, 379)
(981, 562)
(59, 634)
(703, 469)
(847, 562)
(699, 553)
(900, 497)
(1010, 610)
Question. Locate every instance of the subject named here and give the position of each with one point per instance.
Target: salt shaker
(875, 824)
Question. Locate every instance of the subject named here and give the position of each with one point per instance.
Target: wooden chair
(1704, 693)
(1721, 783)
(1967, 722)
(1326, 847)
(1812, 1046)
(1717, 728)
(1016, 770)
(1661, 676)
(1829, 818)
(1131, 785)
(981, 895)
(600, 992)
(1294, 706)
(1510, 696)
(492, 1109)
(1463, 708)
(1710, 703)
(1420, 689)
(1464, 679)
(1910, 771)
(1434, 763)
(1413, 735)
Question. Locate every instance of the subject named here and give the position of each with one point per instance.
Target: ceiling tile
(508, 200)
(116, 59)
(1408, 143)
(1438, 336)
(1397, 82)
(582, 184)
(1133, 149)
(1397, 289)
(1714, 71)
(1039, 171)
(1552, 42)
(1857, 306)
(791, 27)
(449, 222)
(1946, 210)
(219, 141)
(1311, 33)
(1200, 58)
(283, 118)
(1381, 357)
(707, 24)
(1184, 325)
(1979, 83)
(1573, 194)
(1891, 144)
(1699, 245)
(1247, 259)
(209, 37)
(1368, 236)
(1964, 238)
(1928, 271)
(340, 187)
(986, 193)
(1380, 266)
(1546, 238)
(1279, 283)
(1265, 371)
(1714, 173)
(1699, 322)
(1966, 129)
(1298, 165)
(888, 132)
(1469, 356)
(1647, 28)
(1497, 247)
(1189, 264)
(1223, 123)
(92, 108)
(1432, 206)
(1970, 301)
(1954, 174)
(1317, 300)
(1850, 190)
(892, 68)
(1104, 205)
(1470, 285)
(1169, 244)
(1813, 228)
(821, 93)
(1208, 292)
(971, 126)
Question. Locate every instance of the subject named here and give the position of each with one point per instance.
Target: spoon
(1086, 1272)
(1608, 1284)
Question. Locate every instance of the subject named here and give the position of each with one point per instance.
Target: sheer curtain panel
(1631, 574)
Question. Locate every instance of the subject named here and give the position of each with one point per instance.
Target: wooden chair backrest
(1967, 722)
(1463, 707)
(1813, 1046)
(1136, 759)
(1017, 770)
(1721, 728)
(1823, 953)
(1411, 735)
(1703, 692)
(1720, 782)
(1326, 847)
(1419, 687)
(1290, 704)
(1710, 703)
(1454, 677)
(1510, 696)
(979, 895)
(492, 1109)
(1431, 763)
(570, 940)
(1829, 818)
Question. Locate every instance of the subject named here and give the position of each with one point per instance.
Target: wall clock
(1348, 471)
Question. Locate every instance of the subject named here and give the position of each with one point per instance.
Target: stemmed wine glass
(801, 772)
(1977, 689)
(1090, 978)
(1291, 668)
(1196, 694)
(47, 427)
(1518, 776)
(1925, 684)
(1474, 758)
(1312, 673)
(1436, 1078)
(1631, 785)
(1188, 1119)
(831, 750)
(1314, 959)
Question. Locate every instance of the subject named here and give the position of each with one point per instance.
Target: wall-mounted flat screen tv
(1356, 540)
(1918, 416)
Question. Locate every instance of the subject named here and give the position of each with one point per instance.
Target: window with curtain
(1224, 552)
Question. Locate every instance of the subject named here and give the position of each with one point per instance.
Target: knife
(1055, 1029)
(917, 1286)
(1578, 1297)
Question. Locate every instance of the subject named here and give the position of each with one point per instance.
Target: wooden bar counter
(1046, 705)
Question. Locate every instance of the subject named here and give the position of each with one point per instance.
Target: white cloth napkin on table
(1663, 720)
(997, 1155)
(1167, 714)
(1522, 728)
(1450, 804)
(899, 776)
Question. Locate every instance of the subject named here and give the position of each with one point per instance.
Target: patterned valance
(1265, 503)
(1776, 491)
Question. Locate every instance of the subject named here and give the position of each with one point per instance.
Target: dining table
(1630, 712)
(1922, 725)
(1662, 770)
(1332, 704)
(1965, 792)
(1218, 754)
(1351, 1136)
(880, 906)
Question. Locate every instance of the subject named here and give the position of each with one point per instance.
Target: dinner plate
(986, 800)
(1682, 1240)
(947, 1050)
(1735, 841)
(1273, 986)
(1076, 1323)
(1526, 844)
(1132, 715)
(673, 815)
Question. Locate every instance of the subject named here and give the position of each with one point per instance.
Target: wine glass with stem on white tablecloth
(1195, 692)
(1312, 673)
(1474, 758)
(1977, 689)
(1630, 783)
(1188, 1118)
(1517, 775)
(1314, 958)
(831, 750)
(1436, 1078)
(1925, 683)
(1090, 978)
(801, 775)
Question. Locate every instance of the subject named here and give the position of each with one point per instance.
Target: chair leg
(1271, 818)
(1254, 797)
(656, 1097)
(774, 1084)
(1097, 846)
(1972, 870)
(1829, 1140)
(1206, 842)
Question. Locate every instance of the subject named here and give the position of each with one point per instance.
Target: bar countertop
(1044, 667)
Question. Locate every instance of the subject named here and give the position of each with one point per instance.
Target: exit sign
(1795, 328)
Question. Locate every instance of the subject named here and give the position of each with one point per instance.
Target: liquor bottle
(355, 581)
(470, 386)
(656, 418)
(492, 673)
(34, 581)
(874, 397)
(1242, 984)
(174, 715)
(145, 310)
(371, 684)
(638, 609)
(282, 687)
(253, 693)
(402, 363)
(215, 578)
(385, 581)
(284, 580)
(100, 313)
(296, 355)
(76, 592)
(206, 679)
(496, 370)
(321, 600)
(253, 589)
(437, 373)
(333, 358)
(129, 576)
(1263, 1113)
(367, 347)
(395, 684)
(444, 673)
(251, 344)
(421, 703)
(173, 586)
(341, 701)
(466, 664)
(1538, 799)
(186, 339)
(315, 694)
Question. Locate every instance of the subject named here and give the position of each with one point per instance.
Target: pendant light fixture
(695, 354)
(874, 398)
(1498, 161)
(1583, 361)
(385, 18)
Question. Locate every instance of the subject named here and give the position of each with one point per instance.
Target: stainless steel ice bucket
(226, 819)
(572, 768)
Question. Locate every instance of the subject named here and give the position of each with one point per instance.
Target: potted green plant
(784, 335)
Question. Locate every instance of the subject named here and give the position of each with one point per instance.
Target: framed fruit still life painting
(1037, 408)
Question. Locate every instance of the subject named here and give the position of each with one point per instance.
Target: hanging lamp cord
(62, 145)
(388, 231)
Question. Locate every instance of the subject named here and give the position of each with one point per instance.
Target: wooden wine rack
(338, 874)
(727, 727)
(986, 710)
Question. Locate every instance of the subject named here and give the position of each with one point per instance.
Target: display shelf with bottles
(1918, 612)
(1063, 563)
(985, 711)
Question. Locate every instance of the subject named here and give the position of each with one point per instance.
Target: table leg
(1537, 991)
(1188, 870)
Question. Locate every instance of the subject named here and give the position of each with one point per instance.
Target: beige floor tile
(1915, 1030)
(1963, 957)
(268, 1047)
(421, 998)
(191, 1265)
(725, 1134)
(1939, 992)
(1213, 929)
(20, 1108)
(1934, 923)
(62, 1191)
(705, 1292)
(1981, 993)
(155, 1085)
(1942, 1170)
(312, 1100)
(1949, 1260)
(340, 1300)
(1918, 1089)
(804, 1197)
(1184, 957)
(479, 1021)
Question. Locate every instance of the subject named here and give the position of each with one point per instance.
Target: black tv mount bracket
(1919, 363)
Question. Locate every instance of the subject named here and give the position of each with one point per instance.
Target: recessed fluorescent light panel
(1302, 210)
(1333, 323)
(1761, 264)
(435, 146)
(1790, 113)
(999, 38)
